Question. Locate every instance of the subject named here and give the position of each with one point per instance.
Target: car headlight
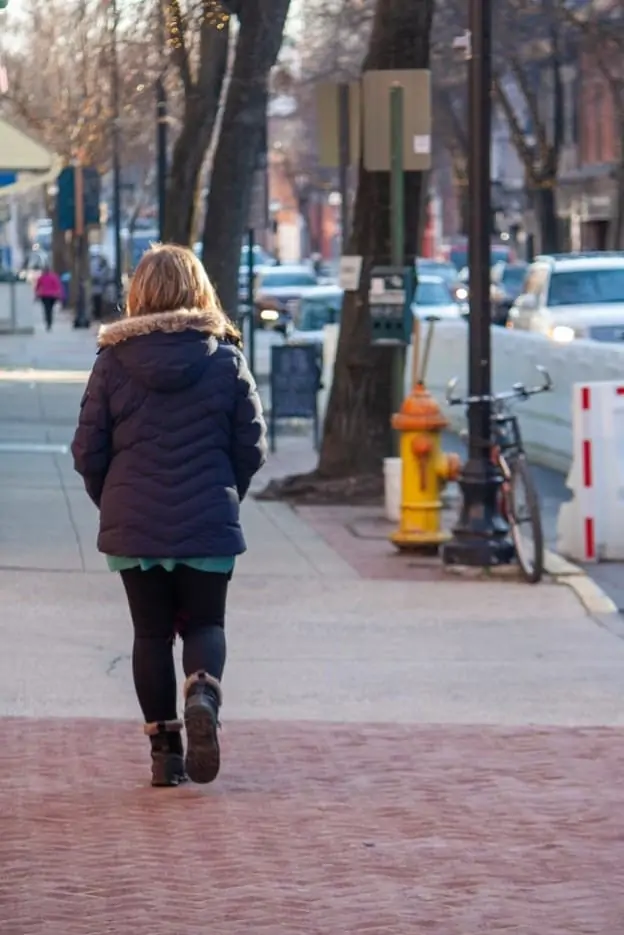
(461, 294)
(269, 314)
(562, 334)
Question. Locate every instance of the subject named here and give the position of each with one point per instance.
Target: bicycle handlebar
(518, 391)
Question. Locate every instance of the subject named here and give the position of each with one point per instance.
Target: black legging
(165, 603)
(48, 310)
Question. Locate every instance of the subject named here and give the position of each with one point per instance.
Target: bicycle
(508, 455)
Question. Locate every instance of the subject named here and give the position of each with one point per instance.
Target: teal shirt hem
(222, 565)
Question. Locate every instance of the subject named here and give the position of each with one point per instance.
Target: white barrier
(546, 420)
(17, 308)
(393, 488)
(591, 526)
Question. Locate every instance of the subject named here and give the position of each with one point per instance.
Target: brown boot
(203, 699)
(167, 753)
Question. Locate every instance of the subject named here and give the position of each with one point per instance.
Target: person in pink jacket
(49, 290)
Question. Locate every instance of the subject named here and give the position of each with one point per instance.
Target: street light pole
(161, 127)
(116, 157)
(481, 536)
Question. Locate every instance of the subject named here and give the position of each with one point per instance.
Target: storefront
(588, 204)
(24, 164)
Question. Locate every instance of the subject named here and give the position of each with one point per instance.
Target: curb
(592, 597)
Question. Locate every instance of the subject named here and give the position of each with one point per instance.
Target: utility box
(390, 300)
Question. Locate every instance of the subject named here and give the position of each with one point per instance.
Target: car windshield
(445, 271)
(279, 279)
(432, 293)
(586, 286)
(260, 258)
(513, 276)
(459, 256)
(316, 313)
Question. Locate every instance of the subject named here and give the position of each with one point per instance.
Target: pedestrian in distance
(100, 272)
(49, 290)
(170, 435)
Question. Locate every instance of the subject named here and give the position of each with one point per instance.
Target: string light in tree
(213, 12)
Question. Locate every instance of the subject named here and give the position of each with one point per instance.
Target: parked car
(434, 299)
(574, 295)
(507, 282)
(499, 253)
(277, 294)
(447, 272)
(318, 306)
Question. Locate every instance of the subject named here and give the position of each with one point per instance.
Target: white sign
(422, 145)
(350, 272)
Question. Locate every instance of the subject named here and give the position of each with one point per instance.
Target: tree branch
(175, 21)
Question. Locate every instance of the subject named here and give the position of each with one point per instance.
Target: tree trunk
(240, 140)
(357, 424)
(201, 107)
(546, 210)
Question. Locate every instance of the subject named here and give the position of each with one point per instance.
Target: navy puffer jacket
(170, 435)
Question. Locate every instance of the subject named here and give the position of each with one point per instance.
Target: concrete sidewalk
(400, 756)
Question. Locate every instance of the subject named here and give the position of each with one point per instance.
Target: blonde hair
(168, 278)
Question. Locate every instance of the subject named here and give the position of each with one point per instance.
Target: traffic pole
(251, 349)
(344, 161)
(116, 157)
(481, 536)
(161, 128)
(397, 238)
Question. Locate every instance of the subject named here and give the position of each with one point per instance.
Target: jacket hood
(167, 351)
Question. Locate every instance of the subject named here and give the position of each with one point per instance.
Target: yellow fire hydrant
(426, 470)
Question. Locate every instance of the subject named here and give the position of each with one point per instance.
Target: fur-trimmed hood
(168, 351)
(209, 321)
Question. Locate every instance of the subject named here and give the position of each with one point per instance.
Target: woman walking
(170, 435)
(49, 290)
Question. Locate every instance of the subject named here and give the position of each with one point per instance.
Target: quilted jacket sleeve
(92, 444)
(250, 442)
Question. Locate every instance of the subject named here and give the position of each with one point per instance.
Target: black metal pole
(481, 535)
(161, 129)
(344, 138)
(251, 317)
(116, 158)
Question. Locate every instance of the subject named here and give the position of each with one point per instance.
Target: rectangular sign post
(397, 219)
(416, 108)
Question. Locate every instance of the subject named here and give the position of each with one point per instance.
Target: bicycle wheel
(524, 518)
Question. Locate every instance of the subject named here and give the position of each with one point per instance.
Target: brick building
(588, 190)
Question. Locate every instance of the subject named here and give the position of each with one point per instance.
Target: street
(403, 750)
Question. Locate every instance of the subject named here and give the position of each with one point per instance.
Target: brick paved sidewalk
(464, 828)
(314, 828)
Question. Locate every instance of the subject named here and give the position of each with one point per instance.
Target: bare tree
(62, 99)
(240, 140)
(198, 39)
(357, 426)
(59, 85)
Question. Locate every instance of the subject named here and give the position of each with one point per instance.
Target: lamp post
(161, 126)
(116, 155)
(480, 537)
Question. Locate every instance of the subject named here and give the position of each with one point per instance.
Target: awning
(29, 162)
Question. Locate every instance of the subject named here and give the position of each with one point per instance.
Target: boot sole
(203, 756)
